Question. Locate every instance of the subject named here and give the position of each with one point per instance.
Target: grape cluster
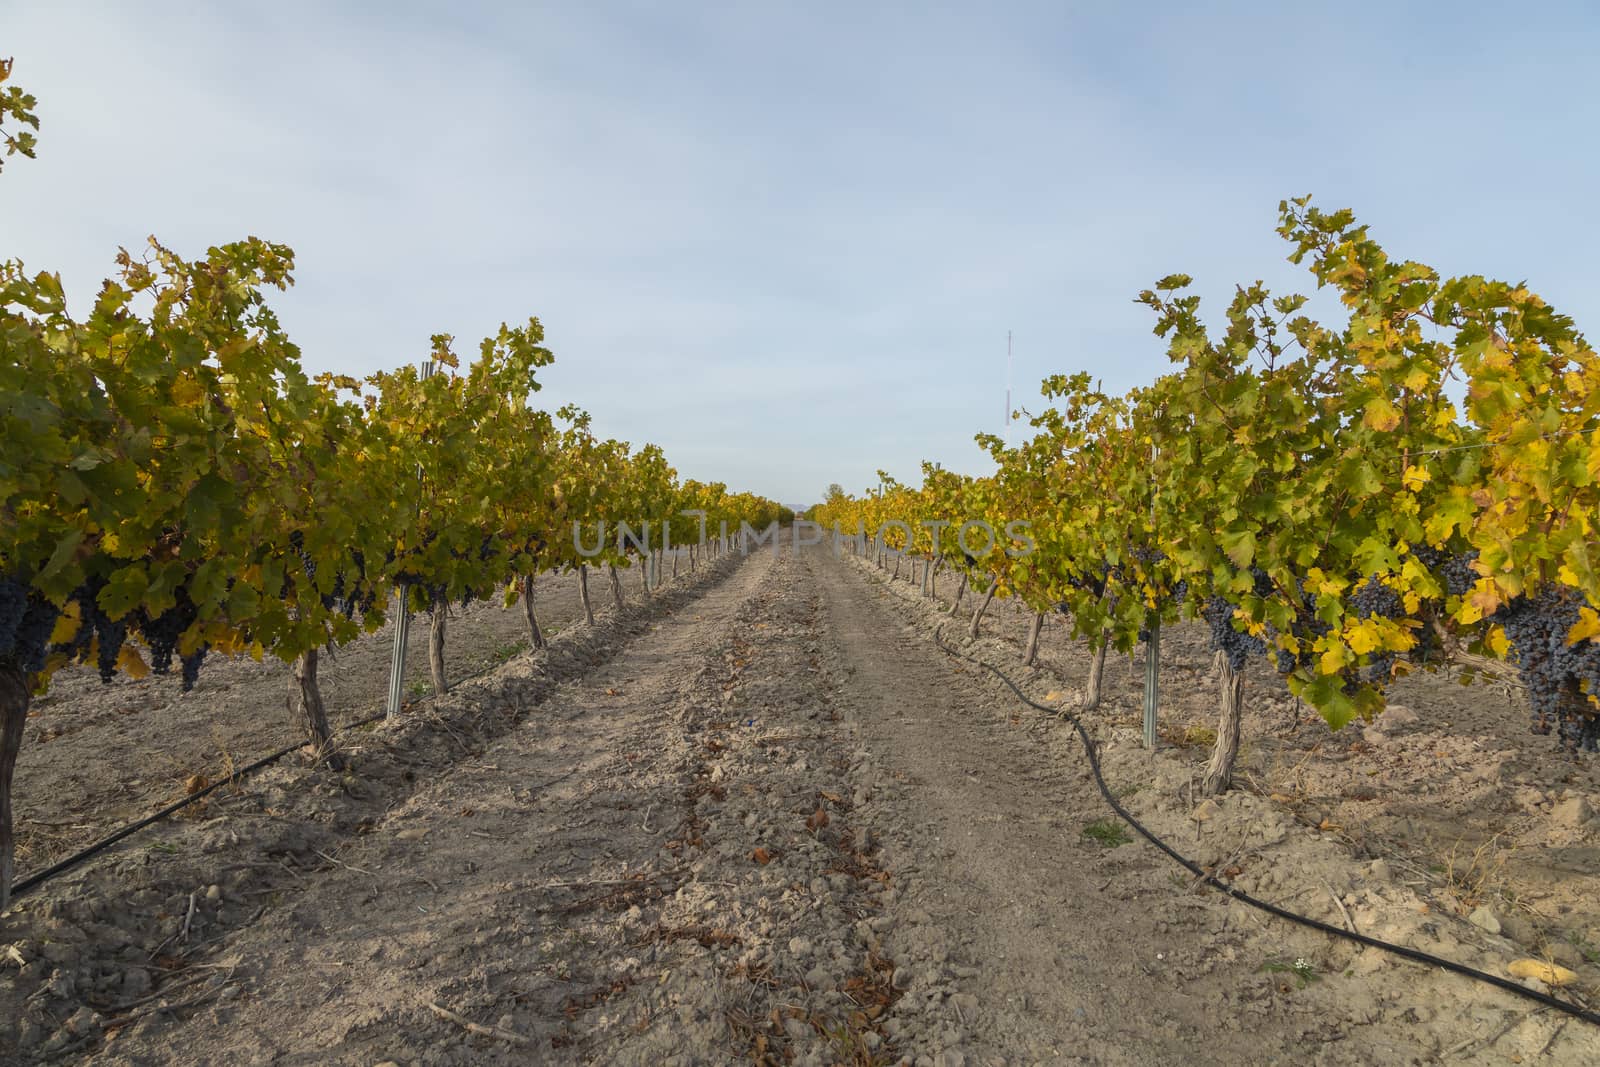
(1236, 644)
(1151, 558)
(13, 606)
(191, 666)
(1374, 598)
(1454, 569)
(1094, 582)
(162, 632)
(27, 621)
(25, 624)
(1558, 677)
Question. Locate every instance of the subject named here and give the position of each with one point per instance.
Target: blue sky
(785, 242)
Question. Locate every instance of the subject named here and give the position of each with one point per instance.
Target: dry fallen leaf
(1549, 973)
(761, 856)
(195, 783)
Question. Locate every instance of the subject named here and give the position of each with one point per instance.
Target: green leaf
(1239, 546)
(124, 591)
(66, 548)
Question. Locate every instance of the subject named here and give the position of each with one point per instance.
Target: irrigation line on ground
(1200, 873)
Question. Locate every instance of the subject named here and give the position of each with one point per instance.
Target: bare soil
(760, 818)
(97, 755)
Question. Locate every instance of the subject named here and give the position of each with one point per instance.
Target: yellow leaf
(1381, 416)
(132, 664)
(1363, 637)
(187, 390)
(1415, 478)
(1498, 641)
(1548, 973)
(1333, 660)
(66, 624)
(1586, 628)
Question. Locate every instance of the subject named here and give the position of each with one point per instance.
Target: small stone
(84, 1021)
(135, 982)
(213, 893)
(56, 952)
(950, 1057)
(800, 946)
(966, 1004)
(1380, 871)
(1571, 814)
(1518, 929)
(1396, 716)
(1484, 919)
(819, 978)
(1208, 809)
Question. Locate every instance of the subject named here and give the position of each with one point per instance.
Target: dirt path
(760, 821)
(996, 868)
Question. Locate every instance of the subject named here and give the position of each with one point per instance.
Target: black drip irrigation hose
(1416, 955)
(33, 881)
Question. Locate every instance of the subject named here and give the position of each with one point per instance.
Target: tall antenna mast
(1008, 390)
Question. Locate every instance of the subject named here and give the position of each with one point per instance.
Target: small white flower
(1300, 964)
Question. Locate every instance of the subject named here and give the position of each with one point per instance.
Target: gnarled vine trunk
(535, 635)
(961, 591)
(15, 695)
(616, 585)
(583, 593)
(441, 685)
(1219, 772)
(983, 606)
(1097, 674)
(307, 710)
(1031, 653)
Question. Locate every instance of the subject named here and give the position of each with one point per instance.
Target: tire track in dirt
(1003, 904)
